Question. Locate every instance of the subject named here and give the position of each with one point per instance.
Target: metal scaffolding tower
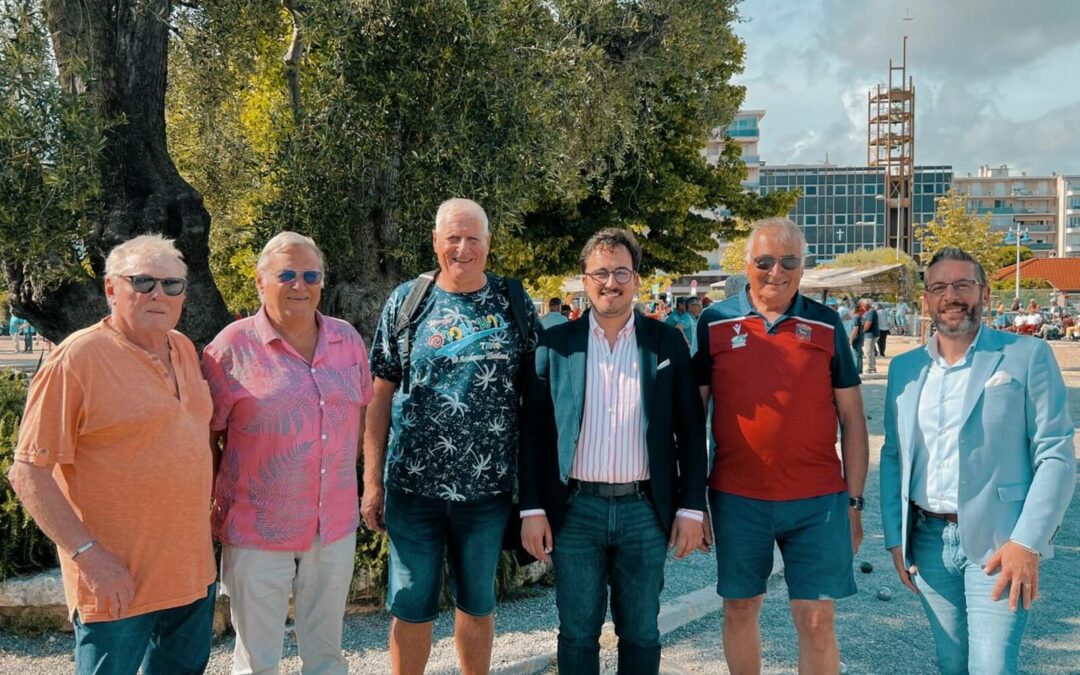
(890, 145)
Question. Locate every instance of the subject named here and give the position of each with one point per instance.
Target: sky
(996, 81)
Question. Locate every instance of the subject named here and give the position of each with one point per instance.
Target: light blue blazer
(1017, 462)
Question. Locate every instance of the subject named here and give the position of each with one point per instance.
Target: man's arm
(889, 484)
(854, 449)
(375, 428)
(109, 580)
(537, 449)
(689, 531)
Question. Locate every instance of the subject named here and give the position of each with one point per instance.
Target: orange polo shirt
(132, 459)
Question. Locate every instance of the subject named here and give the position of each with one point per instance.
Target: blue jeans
(169, 641)
(614, 541)
(973, 634)
(424, 532)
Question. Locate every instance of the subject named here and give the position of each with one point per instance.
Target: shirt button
(313, 370)
(323, 471)
(324, 437)
(322, 402)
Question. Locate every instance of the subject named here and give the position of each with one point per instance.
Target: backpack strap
(515, 291)
(406, 314)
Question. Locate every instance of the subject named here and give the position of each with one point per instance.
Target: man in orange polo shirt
(114, 464)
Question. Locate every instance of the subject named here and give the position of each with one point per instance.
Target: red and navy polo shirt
(774, 410)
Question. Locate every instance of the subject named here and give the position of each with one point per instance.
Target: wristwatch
(857, 503)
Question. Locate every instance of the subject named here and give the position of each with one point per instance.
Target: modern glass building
(842, 208)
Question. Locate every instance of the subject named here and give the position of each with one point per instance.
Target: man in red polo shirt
(782, 377)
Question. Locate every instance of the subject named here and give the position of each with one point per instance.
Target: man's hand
(688, 535)
(371, 507)
(1020, 569)
(855, 517)
(536, 536)
(904, 573)
(109, 580)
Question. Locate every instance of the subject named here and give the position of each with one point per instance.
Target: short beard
(967, 326)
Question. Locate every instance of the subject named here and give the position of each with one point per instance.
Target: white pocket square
(664, 364)
(998, 379)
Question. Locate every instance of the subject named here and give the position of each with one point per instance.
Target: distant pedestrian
(14, 329)
(554, 314)
(870, 328)
(885, 325)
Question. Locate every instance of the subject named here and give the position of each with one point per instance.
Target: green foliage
(1006, 256)
(1034, 283)
(734, 260)
(23, 547)
(954, 225)
(51, 143)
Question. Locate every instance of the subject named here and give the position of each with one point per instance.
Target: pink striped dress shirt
(611, 447)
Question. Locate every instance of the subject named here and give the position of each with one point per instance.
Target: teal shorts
(814, 536)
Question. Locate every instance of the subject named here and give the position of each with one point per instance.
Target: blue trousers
(173, 641)
(604, 541)
(972, 633)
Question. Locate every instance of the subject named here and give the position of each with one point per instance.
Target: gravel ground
(875, 637)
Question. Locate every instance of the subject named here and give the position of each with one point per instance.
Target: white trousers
(259, 584)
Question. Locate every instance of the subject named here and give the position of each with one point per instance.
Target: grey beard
(967, 326)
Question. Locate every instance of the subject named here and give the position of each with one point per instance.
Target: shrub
(23, 547)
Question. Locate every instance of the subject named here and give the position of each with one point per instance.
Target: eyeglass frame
(759, 260)
(608, 274)
(137, 280)
(944, 286)
(310, 277)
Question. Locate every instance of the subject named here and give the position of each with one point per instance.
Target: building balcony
(743, 133)
(1041, 246)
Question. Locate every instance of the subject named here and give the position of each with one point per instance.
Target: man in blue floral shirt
(441, 442)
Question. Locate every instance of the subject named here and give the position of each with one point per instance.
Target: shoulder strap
(409, 309)
(515, 291)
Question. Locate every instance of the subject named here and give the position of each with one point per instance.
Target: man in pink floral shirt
(290, 387)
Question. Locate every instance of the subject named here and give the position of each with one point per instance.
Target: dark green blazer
(555, 399)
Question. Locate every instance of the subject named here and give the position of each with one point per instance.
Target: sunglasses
(310, 277)
(767, 262)
(142, 283)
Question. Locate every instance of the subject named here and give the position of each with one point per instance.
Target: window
(840, 190)
(869, 189)
(811, 190)
(811, 220)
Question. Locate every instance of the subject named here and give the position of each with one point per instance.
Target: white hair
(284, 240)
(128, 256)
(460, 205)
(781, 230)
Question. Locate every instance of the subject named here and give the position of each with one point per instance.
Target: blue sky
(996, 82)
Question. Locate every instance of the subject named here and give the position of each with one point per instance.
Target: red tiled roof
(1062, 273)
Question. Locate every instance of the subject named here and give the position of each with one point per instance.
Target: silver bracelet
(83, 549)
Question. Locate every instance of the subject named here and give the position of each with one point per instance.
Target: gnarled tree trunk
(115, 53)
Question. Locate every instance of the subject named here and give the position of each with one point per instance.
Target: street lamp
(1018, 237)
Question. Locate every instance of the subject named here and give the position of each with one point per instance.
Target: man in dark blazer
(612, 467)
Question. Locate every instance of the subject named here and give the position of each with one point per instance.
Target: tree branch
(292, 59)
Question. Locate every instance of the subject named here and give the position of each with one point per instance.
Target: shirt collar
(598, 330)
(267, 334)
(796, 308)
(935, 354)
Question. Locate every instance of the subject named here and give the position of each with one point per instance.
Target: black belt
(609, 489)
(948, 517)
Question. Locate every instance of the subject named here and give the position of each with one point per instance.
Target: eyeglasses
(623, 275)
(961, 286)
(141, 283)
(767, 262)
(310, 277)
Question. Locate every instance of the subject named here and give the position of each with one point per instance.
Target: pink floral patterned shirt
(288, 470)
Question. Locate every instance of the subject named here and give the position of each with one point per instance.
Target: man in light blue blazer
(977, 470)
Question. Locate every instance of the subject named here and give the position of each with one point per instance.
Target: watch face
(857, 503)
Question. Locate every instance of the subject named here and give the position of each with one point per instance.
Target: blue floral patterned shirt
(454, 431)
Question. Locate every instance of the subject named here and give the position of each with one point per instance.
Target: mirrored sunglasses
(310, 277)
(141, 283)
(767, 262)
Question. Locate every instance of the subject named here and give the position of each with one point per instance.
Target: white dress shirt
(935, 474)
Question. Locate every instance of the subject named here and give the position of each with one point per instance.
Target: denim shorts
(423, 533)
(814, 536)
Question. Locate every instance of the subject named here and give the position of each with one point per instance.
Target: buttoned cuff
(533, 512)
(697, 516)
